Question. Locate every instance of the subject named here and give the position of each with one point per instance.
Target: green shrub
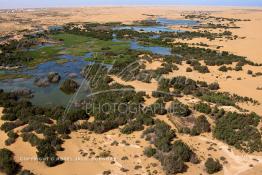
(7, 162)
(159, 107)
(47, 153)
(179, 109)
(173, 161)
(203, 107)
(201, 125)
(213, 166)
(69, 86)
(223, 69)
(249, 72)
(149, 151)
(238, 68)
(161, 135)
(11, 138)
(201, 69)
(239, 130)
(218, 98)
(213, 86)
(172, 164)
(182, 150)
(132, 126)
(189, 69)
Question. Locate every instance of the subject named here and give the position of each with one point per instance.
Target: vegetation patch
(213, 166)
(14, 76)
(240, 131)
(7, 162)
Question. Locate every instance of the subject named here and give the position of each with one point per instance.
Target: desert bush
(213, 86)
(249, 72)
(149, 151)
(189, 69)
(239, 130)
(213, 166)
(223, 69)
(201, 69)
(203, 107)
(179, 109)
(69, 86)
(159, 107)
(132, 126)
(11, 138)
(161, 135)
(7, 162)
(201, 125)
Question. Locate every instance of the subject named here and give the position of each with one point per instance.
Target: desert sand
(82, 154)
(237, 163)
(229, 82)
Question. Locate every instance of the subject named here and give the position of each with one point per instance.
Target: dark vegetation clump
(200, 89)
(203, 107)
(201, 69)
(173, 162)
(7, 162)
(149, 151)
(249, 72)
(179, 109)
(189, 69)
(53, 77)
(223, 68)
(123, 104)
(214, 86)
(201, 125)
(159, 107)
(218, 98)
(171, 155)
(40, 120)
(91, 30)
(12, 53)
(161, 135)
(240, 131)
(12, 136)
(69, 86)
(132, 126)
(213, 166)
(211, 57)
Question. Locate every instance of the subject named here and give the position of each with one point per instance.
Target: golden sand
(79, 164)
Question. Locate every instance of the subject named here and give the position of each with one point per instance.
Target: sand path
(237, 163)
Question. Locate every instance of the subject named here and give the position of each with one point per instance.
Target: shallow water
(155, 29)
(55, 27)
(170, 22)
(51, 95)
(164, 27)
(154, 49)
(45, 96)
